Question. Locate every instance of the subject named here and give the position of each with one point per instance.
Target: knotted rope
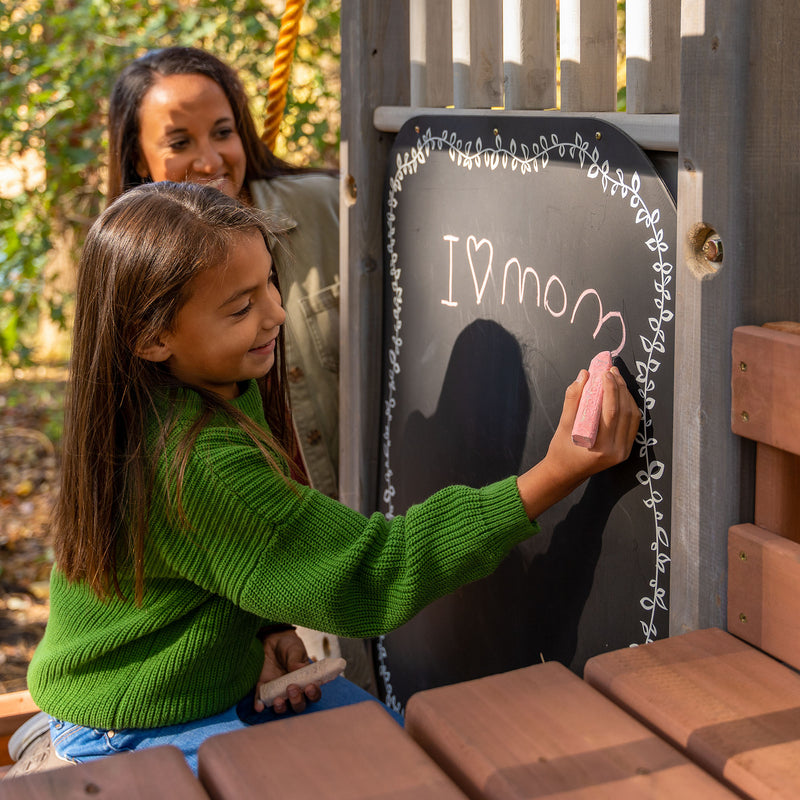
(279, 79)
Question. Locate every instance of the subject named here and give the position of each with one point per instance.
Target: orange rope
(279, 79)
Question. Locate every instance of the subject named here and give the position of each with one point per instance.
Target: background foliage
(59, 61)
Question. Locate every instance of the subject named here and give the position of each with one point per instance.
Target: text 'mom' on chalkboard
(515, 250)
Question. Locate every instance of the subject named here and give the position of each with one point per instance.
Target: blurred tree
(59, 61)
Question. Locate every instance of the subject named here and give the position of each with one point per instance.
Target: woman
(181, 114)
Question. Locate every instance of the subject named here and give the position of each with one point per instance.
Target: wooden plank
(764, 591)
(588, 55)
(354, 753)
(542, 732)
(777, 505)
(649, 131)
(738, 177)
(156, 772)
(765, 400)
(431, 53)
(529, 53)
(731, 708)
(477, 54)
(374, 69)
(653, 56)
(15, 708)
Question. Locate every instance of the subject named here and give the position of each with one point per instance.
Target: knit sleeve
(291, 554)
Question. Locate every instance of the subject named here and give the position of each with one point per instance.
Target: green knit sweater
(252, 550)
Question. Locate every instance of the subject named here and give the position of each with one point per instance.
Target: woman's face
(187, 132)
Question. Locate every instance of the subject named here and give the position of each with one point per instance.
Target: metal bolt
(598, 136)
(416, 128)
(742, 618)
(712, 248)
(745, 416)
(742, 366)
(495, 131)
(743, 555)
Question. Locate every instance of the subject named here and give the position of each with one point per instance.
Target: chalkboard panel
(516, 249)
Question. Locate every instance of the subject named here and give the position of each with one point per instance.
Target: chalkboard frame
(584, 147)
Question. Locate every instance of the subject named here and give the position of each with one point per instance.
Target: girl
(179, 534)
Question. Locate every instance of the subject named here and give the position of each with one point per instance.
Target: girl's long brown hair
(134, 275)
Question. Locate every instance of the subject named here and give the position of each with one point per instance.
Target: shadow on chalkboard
(477, 433)
(530, 608)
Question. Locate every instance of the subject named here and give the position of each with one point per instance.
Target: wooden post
(653, 63)
(374, 69)
(588, 55)
(529, 53)
(431, 44)
(477, 54)
(739, 177)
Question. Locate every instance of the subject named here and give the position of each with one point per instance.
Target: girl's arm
(566, 465)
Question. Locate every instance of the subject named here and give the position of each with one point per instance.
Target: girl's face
(227, 331)
(187, 132)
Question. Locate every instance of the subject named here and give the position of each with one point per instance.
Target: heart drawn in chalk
(473, 243)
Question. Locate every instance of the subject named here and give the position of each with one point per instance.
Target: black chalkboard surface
(516, 249)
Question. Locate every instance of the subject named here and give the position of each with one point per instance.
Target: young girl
(179, 535)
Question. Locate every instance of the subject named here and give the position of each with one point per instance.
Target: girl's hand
(567, 465)
(285, 652)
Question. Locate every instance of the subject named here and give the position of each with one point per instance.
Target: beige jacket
(309, 277)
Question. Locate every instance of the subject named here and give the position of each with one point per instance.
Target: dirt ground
(31, 409)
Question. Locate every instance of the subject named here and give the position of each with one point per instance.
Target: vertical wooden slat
(529, 53)
(374, 67)
(653, 64)
(739, 175)
(431, 50)
(588, 55)
(477, 54)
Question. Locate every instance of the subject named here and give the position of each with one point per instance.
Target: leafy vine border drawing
(530, 159)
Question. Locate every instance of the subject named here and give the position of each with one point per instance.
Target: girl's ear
(155, 351)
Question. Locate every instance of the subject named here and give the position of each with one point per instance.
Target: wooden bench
(158, 772)
(353, 753)
(541, 731)
(731, 700)
(15, 709)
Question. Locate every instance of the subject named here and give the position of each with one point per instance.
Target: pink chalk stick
(584, 431)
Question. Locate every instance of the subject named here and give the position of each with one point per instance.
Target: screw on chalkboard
(584, 430)
(745, 416)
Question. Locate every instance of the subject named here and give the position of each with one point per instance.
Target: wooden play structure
(711, 708)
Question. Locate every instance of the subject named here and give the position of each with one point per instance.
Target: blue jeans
(77, 743)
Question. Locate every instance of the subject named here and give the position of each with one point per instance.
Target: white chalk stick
(318, 672)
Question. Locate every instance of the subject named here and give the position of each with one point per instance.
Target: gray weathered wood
(374, 69)
(477, 53)
(653, 64)
(529, 53)
(431, 49)
(588, 55)
(740, 176)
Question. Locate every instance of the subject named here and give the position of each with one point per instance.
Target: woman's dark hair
(134, 276)
(135, 81)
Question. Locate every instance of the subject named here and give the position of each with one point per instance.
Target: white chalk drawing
(529, 159)
(523, 276)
